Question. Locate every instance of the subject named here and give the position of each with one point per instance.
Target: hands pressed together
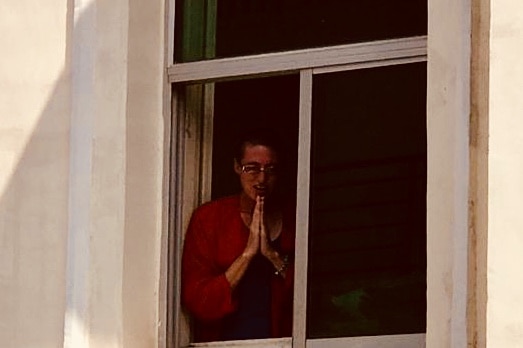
(258, 238)
(258, 242)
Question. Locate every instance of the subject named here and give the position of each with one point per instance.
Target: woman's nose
(262, 177)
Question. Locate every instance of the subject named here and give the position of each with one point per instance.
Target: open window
(345, 83)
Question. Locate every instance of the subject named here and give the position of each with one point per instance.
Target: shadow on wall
(34, 187)
(35, 152)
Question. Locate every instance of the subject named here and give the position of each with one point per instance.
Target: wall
(505, 176)
(82, 188)
(34, 160)
(147, 144)
(117, 199)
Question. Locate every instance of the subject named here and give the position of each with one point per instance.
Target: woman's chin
(251, 196)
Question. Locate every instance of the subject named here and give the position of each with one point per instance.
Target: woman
(237, 265)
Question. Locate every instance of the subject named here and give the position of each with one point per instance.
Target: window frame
(307, 63)
(449, 289)
(323, 59)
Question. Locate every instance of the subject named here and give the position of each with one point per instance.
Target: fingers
(257, 230)
(259, 211)
(261, 204)
(256, 216)
(264, 239)
(253, 243)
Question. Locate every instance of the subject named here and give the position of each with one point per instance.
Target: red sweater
(215, 238)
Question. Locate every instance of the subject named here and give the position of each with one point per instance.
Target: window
(353, 106)
(366, 271)
(207, 29)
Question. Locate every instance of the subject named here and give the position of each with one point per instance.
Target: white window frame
(307, 63)
(448, 106)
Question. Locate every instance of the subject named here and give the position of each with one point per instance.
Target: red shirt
(215, 238)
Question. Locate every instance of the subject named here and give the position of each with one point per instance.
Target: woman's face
(257, 171)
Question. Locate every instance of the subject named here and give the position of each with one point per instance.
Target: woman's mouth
(261, 190)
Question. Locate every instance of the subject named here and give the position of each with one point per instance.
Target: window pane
(259, 302)
(367, 256)
(256, 103)
(215, 29)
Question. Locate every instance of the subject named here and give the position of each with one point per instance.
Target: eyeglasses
(255, 169)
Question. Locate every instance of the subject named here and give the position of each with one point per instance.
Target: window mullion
(192, 157)
(302, 210)
(292, 61)
(207, 141)
(387, 341)
(179, 320)
(368, 65)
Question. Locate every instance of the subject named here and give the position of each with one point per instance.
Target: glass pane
(367, 220)
(211, 29)
(231, 291)
(271, 102)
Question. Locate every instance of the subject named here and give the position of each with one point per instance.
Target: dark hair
(259, 136)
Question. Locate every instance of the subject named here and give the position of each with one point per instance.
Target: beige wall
(505, 183)
(34, 160)
(475, 291)
(147, 148)
(82, 152)
(118, 115)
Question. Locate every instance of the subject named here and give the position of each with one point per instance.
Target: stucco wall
(118, 200)
(147, 144)
(34, 160)
(82, 180)
(505, 185)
